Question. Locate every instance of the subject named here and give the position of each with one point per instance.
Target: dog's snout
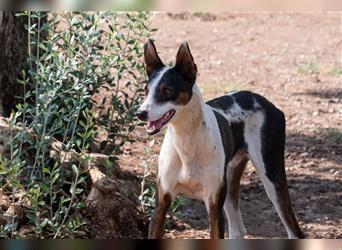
(142, 115)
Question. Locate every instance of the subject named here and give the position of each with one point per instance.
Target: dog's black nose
(142, 115)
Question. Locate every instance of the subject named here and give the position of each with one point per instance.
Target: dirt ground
(295, 61)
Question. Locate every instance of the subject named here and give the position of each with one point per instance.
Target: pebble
(304, 154)
(310, 164)
(336, 173)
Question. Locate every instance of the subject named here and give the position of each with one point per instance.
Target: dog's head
(168, 89)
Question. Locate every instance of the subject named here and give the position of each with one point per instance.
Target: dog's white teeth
(149, 127)
(158, 124)
(166, 115)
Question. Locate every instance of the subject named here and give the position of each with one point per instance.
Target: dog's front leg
(163, 202)
(216, 222)
(216, 217)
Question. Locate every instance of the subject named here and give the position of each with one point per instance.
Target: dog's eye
(167, 91)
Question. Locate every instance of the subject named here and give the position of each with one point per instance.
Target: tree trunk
(13, 55)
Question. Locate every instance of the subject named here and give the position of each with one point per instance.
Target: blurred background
(176, 5)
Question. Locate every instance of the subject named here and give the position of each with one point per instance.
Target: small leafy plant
(72, 57)
(148, 191)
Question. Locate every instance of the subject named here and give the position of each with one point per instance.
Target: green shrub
(72, 56)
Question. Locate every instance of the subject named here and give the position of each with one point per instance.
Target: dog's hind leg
(265, 139)
(234, 173)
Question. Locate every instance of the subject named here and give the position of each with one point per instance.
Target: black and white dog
(207, 145)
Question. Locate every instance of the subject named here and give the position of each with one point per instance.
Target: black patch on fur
(238, 129)
(272, 132)
(245, 99)
(223, 103)
(226, 136)
(273, 140)
(171, 84)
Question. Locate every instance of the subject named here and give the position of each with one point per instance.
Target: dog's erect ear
(152, 60)
(185, 63)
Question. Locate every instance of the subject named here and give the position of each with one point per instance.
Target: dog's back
(247, 112)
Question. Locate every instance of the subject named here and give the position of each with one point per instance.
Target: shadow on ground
(325, 144)
(327, 94)
(315, 201)
(315, 192)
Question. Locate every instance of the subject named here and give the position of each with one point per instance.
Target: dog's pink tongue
(155, 125)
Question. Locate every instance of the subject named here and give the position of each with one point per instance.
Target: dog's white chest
(189, 181)
(195, 172)
(192, 166)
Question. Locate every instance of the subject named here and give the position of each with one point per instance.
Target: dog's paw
(237, 234)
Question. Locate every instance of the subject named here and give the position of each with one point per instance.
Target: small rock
(16, 211)
(26, 231)
(4, 201)
(304, 154)
(336, 173)
(3, 221)
(82, 234)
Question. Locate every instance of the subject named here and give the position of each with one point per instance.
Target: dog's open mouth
(153, 127)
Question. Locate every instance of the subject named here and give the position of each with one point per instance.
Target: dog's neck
(190, 117)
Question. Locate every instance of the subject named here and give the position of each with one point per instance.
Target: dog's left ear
(152, 60)
(185, 63)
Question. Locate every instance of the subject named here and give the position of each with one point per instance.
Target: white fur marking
(155, 110)
(198, 150)
(231, 93)
(235, 113)
(253, 138)
(235, 223)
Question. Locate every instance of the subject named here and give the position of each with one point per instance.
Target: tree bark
(13, 55)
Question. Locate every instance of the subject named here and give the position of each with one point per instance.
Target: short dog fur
(207, 145)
